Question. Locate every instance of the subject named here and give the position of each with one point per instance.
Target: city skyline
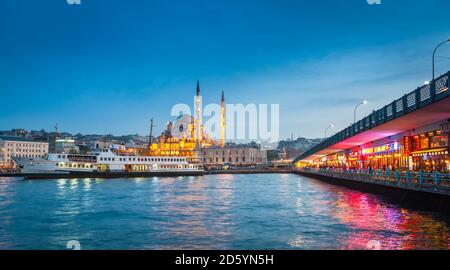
(228, 132)
(108, 69)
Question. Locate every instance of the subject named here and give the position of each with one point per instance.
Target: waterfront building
(105, 144)
(234, 156)
(281, 163)
(423, 148)
(409, 134)
(181, 143)
(66, 145)
(11, 146)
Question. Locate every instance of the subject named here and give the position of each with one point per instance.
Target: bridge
(427, 104)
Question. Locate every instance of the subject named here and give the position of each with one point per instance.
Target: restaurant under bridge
(406, 141)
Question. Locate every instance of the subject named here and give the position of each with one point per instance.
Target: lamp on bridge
(326, 130)
(434, 54)
(364, 102)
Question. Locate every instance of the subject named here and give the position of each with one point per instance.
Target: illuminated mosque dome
(183, 126)
(179, 138)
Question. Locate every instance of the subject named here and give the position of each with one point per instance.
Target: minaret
(222, 121)
(198, 121)
(198, 89)
(150, 137)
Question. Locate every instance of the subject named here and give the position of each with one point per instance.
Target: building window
(438, 140)
(424, 142)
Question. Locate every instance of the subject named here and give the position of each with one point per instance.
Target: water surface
(265, 211)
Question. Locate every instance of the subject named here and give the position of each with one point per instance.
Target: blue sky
(108, 66)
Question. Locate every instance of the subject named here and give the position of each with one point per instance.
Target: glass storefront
(388, 156)
(354, 159)
(426, 152)
(430, 151)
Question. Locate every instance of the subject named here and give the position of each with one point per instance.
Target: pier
(436, 183)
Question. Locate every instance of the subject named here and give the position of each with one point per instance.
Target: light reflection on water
(267, 211)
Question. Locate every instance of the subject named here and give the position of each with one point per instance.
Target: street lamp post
(326, 130)
(364, 102)
(434, 54)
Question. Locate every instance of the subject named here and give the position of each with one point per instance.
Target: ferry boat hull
(105, 164)
(108, 175)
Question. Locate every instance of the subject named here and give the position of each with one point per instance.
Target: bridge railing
(419, 98)
(428, 180)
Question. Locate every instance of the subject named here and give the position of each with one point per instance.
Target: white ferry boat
(106, 161)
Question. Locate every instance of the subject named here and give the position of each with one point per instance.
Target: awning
(437, 151)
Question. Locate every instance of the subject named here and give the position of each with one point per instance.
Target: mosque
(186, 137)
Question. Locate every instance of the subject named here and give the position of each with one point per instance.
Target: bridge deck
(425, 105)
